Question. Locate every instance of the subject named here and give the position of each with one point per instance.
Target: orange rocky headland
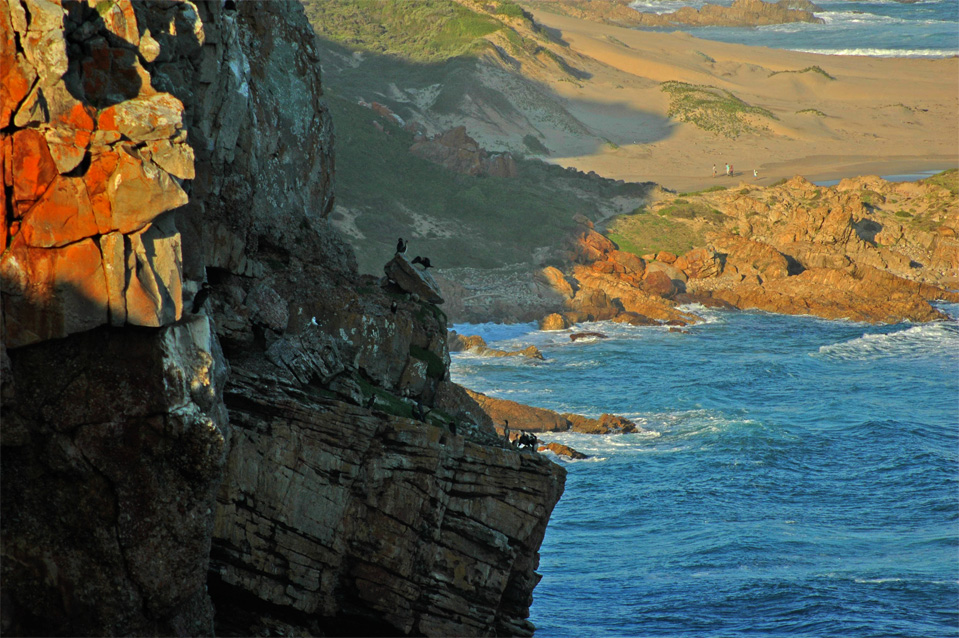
(864, 250)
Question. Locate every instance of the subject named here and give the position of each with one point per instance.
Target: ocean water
(927, 28)
(796, 477)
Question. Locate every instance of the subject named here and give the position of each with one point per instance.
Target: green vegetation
(425, 31)
(778, 182)
(815, 112)
(434, 365)
(509, 9)
(641, 233)
(871, 197)
(713, 109)
(534, 145)
(682, 209)
(902, 213)
(947, 179)
(706, 57)
(711, 189)
(808, 69)
(463, 220)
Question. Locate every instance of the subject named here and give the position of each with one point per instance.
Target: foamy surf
(917, 341)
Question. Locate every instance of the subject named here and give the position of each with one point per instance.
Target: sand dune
(871, 115)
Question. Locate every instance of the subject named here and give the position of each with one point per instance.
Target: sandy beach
(852, 116)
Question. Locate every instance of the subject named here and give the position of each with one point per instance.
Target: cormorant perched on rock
(393, 307)
(453, 427)
(506, 429)
(200, 297)
(424, 261)
(400, 246)
(419, 411)
(371, 402)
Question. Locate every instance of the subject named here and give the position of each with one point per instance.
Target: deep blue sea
(927, 28)
(797, 477)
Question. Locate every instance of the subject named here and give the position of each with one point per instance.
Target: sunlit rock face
(207, 414)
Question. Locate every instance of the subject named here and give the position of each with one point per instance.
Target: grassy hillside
(384, 192)
(421, 31)
(430, 61)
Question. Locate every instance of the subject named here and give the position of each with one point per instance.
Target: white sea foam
(916, 341)
(886, 53)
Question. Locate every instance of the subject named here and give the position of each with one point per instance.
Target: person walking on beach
(755, 174)
(727, 169)
(732, 171)
(714, 171)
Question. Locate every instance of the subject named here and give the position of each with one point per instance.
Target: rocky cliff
(863, 250)
(210, 421)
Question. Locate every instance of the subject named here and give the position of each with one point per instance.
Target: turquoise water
(797, 477)
(927, 28)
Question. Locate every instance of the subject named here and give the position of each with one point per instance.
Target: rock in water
(404, 274)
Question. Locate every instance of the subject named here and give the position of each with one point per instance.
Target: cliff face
(192, 367)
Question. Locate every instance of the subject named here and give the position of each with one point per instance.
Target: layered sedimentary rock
(192, 367)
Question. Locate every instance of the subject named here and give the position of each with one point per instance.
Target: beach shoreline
(826, 117)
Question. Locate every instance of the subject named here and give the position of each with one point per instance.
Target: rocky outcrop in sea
(863, 250)
(211, 422)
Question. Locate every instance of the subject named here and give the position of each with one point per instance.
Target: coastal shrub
(871, 197)
(534, 145)
(778, 182)
(682, 209)
(711, 189)
(706, 57)
(815, 112)
(947, 179)
(902, 213)
(509, 9)
(713, 109)
(639, 233)
(426, 30)
(808, 69)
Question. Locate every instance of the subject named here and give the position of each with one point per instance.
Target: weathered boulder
(477, 345)
(659, 283)
(520, 417)
(699, 263)
(750, 257)
(409, 278)
(554, 321)
(605, 424)
(563, 450)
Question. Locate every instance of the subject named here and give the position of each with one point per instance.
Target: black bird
(393, 307)
(423, 261)
(200, 297)
(400, 246)
(506, 429)
(453, 427)
(371, 402)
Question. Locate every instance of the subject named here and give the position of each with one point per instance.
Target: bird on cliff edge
(400, 246)
(393, 307)
(200, 297)
(423, 261)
